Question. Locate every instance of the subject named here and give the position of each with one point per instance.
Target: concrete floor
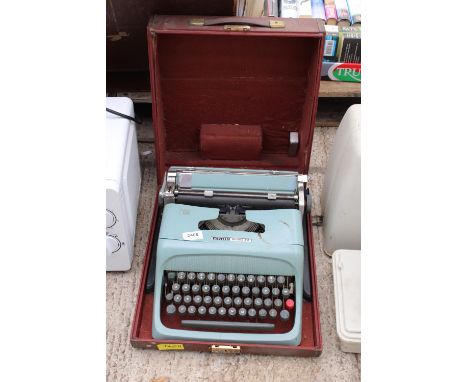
(124, 363)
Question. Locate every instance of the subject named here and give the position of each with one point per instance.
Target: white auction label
(195, 235)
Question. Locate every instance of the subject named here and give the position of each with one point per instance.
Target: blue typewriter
(229, 264)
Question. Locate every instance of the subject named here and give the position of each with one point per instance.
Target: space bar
(230, 325)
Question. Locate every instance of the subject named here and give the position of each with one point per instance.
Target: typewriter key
(177, 299)
(235, 290)
(262, 314)
(275, 292)
(265, 292)
(250, 280)
(175, 287)
(169, 297)
(221, 311)
(217, 301)
(206, 289)
(182, 309)
(221, 278)
(185, 288)
(211, 278)
(231, 278)
(278, 303)
(191, 276)
(181, 276)
(170, 309)
(191, 310)
(187, 299)
(252, 313)
(271, 280)
(245, 291)
(238, 302)
(201, 277)
(258, 303)
(197, 300)
(171, 276)
(284, 315)
(201, 310)
(261, 280)
(285, 292)
(289, 304)
(212, 311)
(242, 312)
(280, 280)
(207, 300)
(255, 292)
(267, 303)
(272, 313)
(247, 302)
(240, 280)
(232, 312)
(225, 290)
(195, 289)
(227, 302)
(215, 290)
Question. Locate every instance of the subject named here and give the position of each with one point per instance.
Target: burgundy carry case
(233, 71)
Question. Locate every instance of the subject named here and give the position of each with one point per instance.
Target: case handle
(239, 23)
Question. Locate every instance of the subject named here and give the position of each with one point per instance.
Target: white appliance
(341, 195)
(123, 180)
(347, 283)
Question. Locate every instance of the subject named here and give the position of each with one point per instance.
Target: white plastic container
(347, 283)
(341, 194)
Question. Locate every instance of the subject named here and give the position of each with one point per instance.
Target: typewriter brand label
(195, 235)
(238, 239)
(170, 346)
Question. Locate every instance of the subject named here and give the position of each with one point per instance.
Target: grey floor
(124, 363)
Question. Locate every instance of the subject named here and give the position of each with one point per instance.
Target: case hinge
(225, 349)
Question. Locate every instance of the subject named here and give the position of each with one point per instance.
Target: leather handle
(263, 22)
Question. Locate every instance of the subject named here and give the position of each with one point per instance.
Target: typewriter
(231, 258)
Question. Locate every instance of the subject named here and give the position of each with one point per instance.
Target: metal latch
(237, 28)
(225, 349)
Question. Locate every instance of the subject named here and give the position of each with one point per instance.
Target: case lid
(232, 70)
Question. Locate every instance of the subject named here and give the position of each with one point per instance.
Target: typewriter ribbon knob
(113, 244)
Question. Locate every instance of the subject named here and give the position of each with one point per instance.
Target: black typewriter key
(255, 292)
(280, 280)
(240, 280)
(262, 314)
(195, 289)
(217, 301)
(215, 289)
(177, 299)
(187, 299)
(247, 302)
(251, 280)
(221, 278)
(182, 309)
(268, 303)
(181, 277)
(201, 310)
(191, 277)
(171, 309)
(191, 310)
(235, 290)
(225, 290)
(232, 312)
(285, 293)
(206, 289)
(238, 302)
(212, 311)
(271, 280)
(260, 280)
(272, 313)
(242, 312)
(245, 291)
(278, 303)
(169, 297)
(275, 292)
(252, 313)
(197, 300)
(207, 300)
(258, 303)
(211, 278)
(231, 278)
(227, 302)
(284, 315)
(175, 287)
(201, 277)
(222, 311)
(265, 292)
(171, 276)
(185, 288)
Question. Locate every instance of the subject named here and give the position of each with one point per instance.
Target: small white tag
(195, 235)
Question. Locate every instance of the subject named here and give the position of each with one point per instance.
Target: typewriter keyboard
(228, 302)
